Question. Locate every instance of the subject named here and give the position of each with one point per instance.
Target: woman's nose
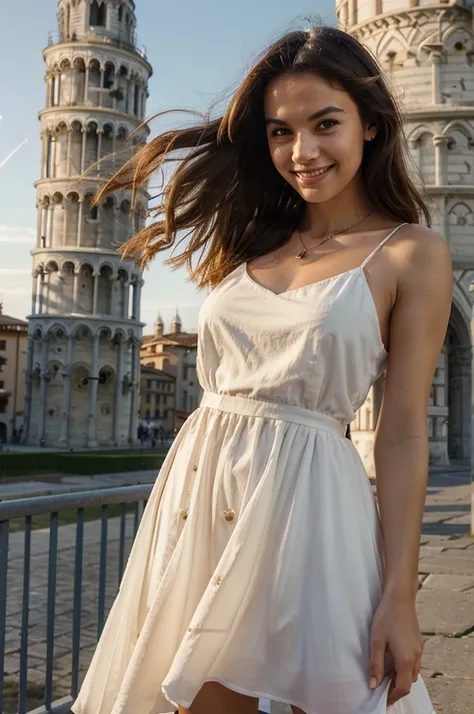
(305, 150)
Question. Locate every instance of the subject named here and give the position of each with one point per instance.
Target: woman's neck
(345, 209)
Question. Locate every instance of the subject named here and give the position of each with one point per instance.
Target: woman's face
(315, 135)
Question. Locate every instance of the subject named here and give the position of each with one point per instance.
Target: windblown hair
(225, 191)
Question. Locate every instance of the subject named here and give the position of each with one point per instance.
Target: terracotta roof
(157, 372)
(7, 321)
(184, 339)
(155, 355)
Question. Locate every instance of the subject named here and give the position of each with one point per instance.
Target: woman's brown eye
(329, 122)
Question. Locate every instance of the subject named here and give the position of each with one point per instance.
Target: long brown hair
(225, 192)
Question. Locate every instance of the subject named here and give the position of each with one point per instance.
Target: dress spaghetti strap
(381, 244)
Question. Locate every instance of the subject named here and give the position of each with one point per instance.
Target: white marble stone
(83, 367)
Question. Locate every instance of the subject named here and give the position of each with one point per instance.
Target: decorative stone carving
(461, 214)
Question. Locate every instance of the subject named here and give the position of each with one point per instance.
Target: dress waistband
(272, 410)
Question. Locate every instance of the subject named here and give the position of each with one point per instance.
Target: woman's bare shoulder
(421, 254)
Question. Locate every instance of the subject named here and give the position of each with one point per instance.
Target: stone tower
(176, 324)
(83, 366)
(159, 326)
(427, 51)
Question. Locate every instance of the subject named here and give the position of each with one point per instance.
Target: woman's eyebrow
(316, 115)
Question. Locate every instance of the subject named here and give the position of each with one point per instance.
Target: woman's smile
(310, 178)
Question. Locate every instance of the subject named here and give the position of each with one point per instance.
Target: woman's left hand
(395, 633)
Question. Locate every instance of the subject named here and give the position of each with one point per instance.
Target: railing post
(25, 618)
(52, 566)
(102, 571)
(28, 509)
(123, 525)
(76, 621)
(4, 528)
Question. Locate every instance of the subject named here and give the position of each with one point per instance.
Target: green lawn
(16, 464)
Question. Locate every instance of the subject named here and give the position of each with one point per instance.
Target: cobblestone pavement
(445, 599)
(63, 601)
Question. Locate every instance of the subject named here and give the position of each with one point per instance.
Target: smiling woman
(262, 567)
(238, 213)
(337, 131)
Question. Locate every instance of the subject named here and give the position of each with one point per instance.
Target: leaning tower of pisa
(426, 49)
(84, 329)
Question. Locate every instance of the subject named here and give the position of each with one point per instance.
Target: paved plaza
(445, 598)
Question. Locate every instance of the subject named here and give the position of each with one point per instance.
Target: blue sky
(199, 50)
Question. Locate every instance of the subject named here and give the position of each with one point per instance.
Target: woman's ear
(370, 132)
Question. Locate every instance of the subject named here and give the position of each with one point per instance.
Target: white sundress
(258, 561)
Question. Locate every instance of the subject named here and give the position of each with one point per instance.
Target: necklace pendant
(301, 255)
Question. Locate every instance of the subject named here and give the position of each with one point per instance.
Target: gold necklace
(307, 250)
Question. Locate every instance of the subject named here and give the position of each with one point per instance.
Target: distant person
(142, 434)
(259, 569)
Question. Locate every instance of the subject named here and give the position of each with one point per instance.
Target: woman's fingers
(401, 684)
(416, 669)
(377, 657)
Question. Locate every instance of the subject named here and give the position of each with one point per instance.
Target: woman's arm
(417, 332)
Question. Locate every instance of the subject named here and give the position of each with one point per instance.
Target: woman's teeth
(311, 174)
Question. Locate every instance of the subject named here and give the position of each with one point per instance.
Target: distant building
(175, 353)
(157, 400)
(13, 349)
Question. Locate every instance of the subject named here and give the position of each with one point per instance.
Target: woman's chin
(317, 195)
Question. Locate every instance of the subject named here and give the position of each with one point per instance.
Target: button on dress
(259, 561)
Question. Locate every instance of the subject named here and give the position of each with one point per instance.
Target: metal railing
(130, 501)
(92, 36)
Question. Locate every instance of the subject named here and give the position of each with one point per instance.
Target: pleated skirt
(257, 564)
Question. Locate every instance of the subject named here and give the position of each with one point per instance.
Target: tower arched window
(136, 100)
(56, 89)
(93, 211)
(98, 14)
(49, 157)
(50, 98)
(68, 21)
(120, 13)
(109, 74)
